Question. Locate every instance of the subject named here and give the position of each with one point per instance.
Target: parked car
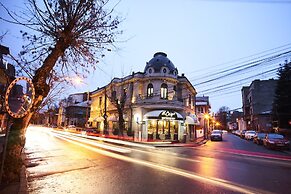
(249, 135)
(237, 132)
(274, 140)
(217, 130)
(71, 128)
(258, 138)
(242, 134)
(216, 135)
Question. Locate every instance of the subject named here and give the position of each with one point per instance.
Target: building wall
(138, 104)
(257, 104)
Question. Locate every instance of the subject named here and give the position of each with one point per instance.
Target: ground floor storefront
(151, 125)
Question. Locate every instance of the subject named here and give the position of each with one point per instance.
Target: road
(59, 163)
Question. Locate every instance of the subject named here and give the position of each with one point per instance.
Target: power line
(218, 88)
(239, 59)
(246, 66)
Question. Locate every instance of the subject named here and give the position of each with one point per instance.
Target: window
(100, 101)
(150, 90)
(113, 95)
(164, 91)
(150, 71)
(190, 99)
(124, 92)
(200, 110)
(164, 70)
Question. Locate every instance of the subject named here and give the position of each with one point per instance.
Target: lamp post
(206, 129)
(139, 123)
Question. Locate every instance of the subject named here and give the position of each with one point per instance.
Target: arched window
(164, 91)
(113, 95)
(150, 90)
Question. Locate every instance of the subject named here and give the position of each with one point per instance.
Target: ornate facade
(156, 105)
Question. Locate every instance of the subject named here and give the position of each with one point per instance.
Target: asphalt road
(60, 163)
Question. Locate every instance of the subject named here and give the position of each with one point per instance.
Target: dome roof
(159, 61)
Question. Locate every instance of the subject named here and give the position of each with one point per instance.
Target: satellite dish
(19, 97)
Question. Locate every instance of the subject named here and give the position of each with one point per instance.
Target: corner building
(159, 104)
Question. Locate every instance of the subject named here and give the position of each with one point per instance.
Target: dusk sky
(199, 37)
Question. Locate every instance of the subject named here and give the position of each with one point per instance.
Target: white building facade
(159, 104)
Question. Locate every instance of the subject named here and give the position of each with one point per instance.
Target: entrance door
(167, 129)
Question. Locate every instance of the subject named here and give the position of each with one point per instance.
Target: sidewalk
(17, 187)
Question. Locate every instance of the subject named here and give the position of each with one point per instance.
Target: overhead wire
(217, 88)
(229, 68)
(245, 67)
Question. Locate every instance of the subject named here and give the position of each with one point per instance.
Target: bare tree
(64, 37)
(118, 100)
(222, 116)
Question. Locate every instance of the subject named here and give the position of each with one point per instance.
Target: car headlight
(287, 142)
(271, 141)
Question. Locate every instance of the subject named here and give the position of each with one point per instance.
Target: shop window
(150, 90)
(164, 91)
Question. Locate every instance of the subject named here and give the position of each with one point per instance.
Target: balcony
(157, 102)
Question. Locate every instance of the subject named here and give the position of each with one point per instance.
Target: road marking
(210, 180)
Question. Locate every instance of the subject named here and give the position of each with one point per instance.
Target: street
(62, 163)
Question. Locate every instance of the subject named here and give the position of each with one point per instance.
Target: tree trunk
(16, 139)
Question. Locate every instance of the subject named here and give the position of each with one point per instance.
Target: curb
(193, 144)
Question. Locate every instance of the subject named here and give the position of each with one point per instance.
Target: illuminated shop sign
(168, 115)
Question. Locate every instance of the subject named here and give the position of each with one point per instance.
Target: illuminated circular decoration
(19, 97)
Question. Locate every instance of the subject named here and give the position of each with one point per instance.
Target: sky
(200, 37)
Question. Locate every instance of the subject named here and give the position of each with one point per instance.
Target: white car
(249, 135)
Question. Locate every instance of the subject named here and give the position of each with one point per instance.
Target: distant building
(75, 110)
(257, 102)
(159, 104)
(236, 121)
(202, 108)
(7, 75)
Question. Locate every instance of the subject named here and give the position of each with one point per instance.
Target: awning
(192, 120)
(163, 114)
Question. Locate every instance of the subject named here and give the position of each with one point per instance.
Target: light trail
(204, 179)
(104, 146)
(156, 152)
(110, 140)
